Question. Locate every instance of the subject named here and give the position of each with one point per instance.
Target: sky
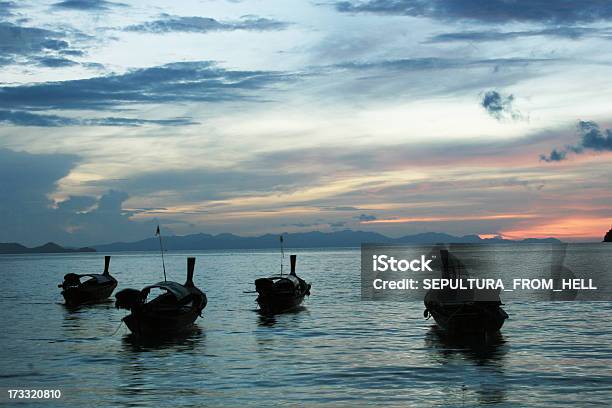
(253, 117)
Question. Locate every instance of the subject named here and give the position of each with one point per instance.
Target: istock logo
(383, 263)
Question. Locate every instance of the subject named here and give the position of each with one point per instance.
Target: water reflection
(269, 320)
(75, 309)
(148, 365)
(184, 341)
(488, 356)
(78, 323)
(480, 349)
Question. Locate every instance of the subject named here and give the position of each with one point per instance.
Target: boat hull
(278, 303)
(468, 318)
(147, 321)
(154, 324)
(79, 295)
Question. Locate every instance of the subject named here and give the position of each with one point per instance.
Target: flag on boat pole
(161, 248)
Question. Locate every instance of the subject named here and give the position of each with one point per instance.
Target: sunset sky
(252, 117)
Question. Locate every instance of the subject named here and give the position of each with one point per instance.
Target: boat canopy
(294, 279)
(98, 277)
(179, 291)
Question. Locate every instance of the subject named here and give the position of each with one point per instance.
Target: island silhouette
(48, 248)
(313, 239)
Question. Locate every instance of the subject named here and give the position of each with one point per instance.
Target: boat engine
(70, 279)
(128, 299)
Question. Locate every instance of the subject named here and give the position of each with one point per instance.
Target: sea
(338, 350)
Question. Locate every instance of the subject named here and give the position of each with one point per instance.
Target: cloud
(499, 106)
(38, 46)
(30, 217)
(340, 208)
(495, 11)
(424, 64)
(55, 62)
(572, 33)
(366, 217)
(88, 5)
(317, 223)
(591, 138)
(15, 39)
(197, 81)
(113, 121)
(24, 118)
(6, 8)
(21, 118)
(303, 224)
(555, 155)
(365, 159)
(169, 23)
(202, 184)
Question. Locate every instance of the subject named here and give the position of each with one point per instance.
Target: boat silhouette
(281, 293)
(95, 289)
(173, 311)
(461, 312)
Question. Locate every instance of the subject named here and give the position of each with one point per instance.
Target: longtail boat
(171, 312)
(97, 288)
(463, 313)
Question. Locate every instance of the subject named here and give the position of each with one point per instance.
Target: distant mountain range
(48, 248)
(315, 239)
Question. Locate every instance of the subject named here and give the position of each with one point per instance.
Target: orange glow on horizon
(580, 228)
(490, 236)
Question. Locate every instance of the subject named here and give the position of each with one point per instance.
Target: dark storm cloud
(15, 39)
(554, 156)
(198, 81)
(28, 215)
(35, 45)
(592, 137)
(499, 106)
(491, 11)
(24, 118)
(28, 178)
(73, 53)
(87, 5)
(21, 118)
(55, 62)
(169, 23)
(572, 33)
(366, 217)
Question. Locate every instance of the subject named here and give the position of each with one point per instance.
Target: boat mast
(161, 248)
(282, 250)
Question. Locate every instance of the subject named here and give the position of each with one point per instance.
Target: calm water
(337, 351)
